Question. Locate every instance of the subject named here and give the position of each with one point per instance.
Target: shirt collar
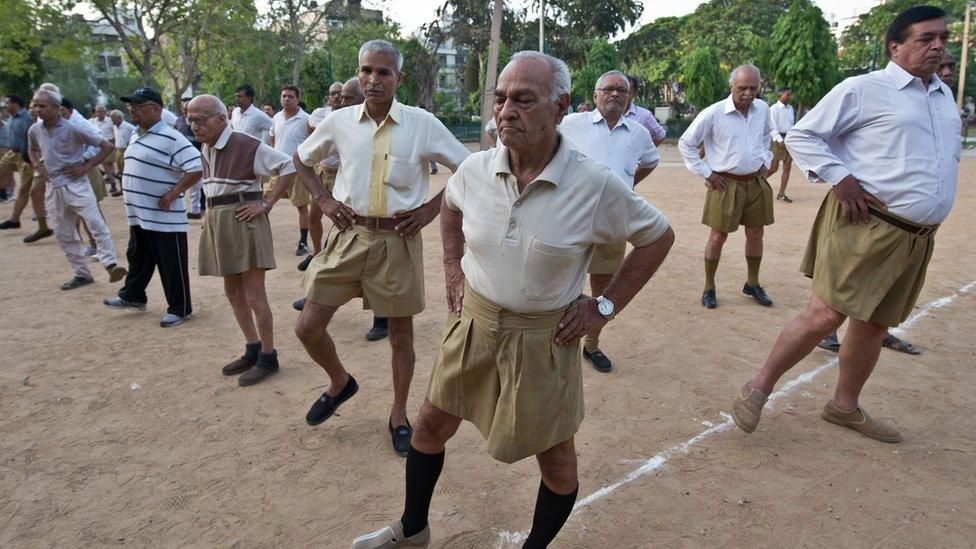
(224, 136)
(901, 78)
(395, 113)
(553, 172)
(597, 118)
(155, 127)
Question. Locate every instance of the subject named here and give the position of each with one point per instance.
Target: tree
(650, 54)
(601, 58)
(704, 80)
(804, 53)
(298, 22)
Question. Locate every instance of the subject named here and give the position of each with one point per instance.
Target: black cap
(141, 95)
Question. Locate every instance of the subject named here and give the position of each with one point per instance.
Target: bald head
(207, 104)
(351, 94)
(207, 116)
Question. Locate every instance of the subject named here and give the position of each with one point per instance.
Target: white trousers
(67, 204)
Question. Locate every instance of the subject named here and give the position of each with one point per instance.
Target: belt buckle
(924, 231)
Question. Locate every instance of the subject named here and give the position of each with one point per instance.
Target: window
(115, 61)
(102, 63)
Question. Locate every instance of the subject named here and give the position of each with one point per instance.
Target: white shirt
(317, 116)
(168, 117)
(123, 134)
(900, 139)
(623, 149)
(82, 122)
(783, 117)
(253, 122)
(733, 143)
(289, 133)
(400, 148)
(105, 126)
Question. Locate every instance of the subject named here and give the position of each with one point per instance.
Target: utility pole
(542, 33)
(965, 57)
(491, 78)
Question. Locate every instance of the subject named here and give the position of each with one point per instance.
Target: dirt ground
(116, 432)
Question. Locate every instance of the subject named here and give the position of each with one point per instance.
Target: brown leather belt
(235, 198)
(387, 223)
(917, 230)
(737, 177)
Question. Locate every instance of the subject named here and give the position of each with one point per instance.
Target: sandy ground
(114, 431)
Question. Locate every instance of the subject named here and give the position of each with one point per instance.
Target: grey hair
(50, 87)
(612, 73)
(114, 112)
(560, 82)
(381, 46)
(747, 66)
(50, 95)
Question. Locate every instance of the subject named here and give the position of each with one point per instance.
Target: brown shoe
(747, 407)
(115, 273)
(860, 421)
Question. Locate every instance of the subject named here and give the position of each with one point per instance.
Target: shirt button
(511, 225)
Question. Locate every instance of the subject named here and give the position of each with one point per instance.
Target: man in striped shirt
(157, 160)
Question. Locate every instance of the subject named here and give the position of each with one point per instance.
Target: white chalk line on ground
(654, 463)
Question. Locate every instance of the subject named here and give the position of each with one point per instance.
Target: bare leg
(713, 246)
(234, 289)
(558, 467)
(785, 177)
(401, 341)
(754, 241)
(433, 428)
(858, 356)
(257, 302)
(774, 167)
(315, 227)
(312, 331)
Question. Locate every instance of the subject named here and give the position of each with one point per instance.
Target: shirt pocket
(402, 172)
(547, 269)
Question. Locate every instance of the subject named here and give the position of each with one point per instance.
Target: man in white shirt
(289, 128)
(247, 117)
(888, 143)
(782, 117)
(623, 145)
(104, 124)
(735, 132)
(331, 103)
(122, 132)
(378, 205)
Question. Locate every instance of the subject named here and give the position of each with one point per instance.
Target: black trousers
(149, 250)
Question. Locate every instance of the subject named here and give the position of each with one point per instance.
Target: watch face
(605, 307)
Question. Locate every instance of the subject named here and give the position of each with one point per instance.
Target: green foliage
(651, 53)
(704, 80)
(804, 56)
(601, 58)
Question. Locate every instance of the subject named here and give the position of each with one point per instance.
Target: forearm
(188, 180)
(641, 174)
(452, 236)
(638, 267)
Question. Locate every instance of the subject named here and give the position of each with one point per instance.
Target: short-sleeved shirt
(82, 122)
(17, 130)
(237, 161)
(782, 116)
(289, 133)
(529, 252)
(253, 122)
(64, 146)
(155, 161)
(385, 167)
(647, 119)
(317, 116)
(105, 126)
(123, 134)
(623, 149)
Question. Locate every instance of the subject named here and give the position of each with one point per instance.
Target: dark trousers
(149, 250)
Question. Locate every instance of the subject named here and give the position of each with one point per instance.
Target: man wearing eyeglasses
(623, 145)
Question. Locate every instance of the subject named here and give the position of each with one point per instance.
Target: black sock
(551, 512)
(422, 473)
(380, 322)
(304, 238)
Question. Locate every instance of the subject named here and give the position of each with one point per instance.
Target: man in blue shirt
(15, 160)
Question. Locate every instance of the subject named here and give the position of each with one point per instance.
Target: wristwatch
(605, 307)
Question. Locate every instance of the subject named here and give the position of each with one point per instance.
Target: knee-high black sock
(423, 471)
(551, 512)
(303, 234)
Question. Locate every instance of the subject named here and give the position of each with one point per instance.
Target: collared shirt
(105, 126)
(289, 133)
(734, 143)
(646, 119)
(783, 117)
(79, 120)
(623, 149)
(17, 130)
(155, 161)
(123, 134)
(229, 170)
(385, 167)
(529, 252)
(64, 146)
(899, 138)
(253, 122)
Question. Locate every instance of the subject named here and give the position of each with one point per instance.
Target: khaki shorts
(297, 194)
(327, 176)
(501, 371)
(97, 185)
(120, 161)
(871, 271)
(780, 152)
(748, 203)
(229, 246)
(379, 265)
(12, 161)
(607, 258)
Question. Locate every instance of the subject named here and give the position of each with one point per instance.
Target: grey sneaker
(119, 303)
(172, 320)
(392, 536)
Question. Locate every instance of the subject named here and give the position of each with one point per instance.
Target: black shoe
(302, 249)
(39, 234)
(265, 367)
(600, 361)
(830, 343)
(244, 363)
(401, 437)
(304, 264)
(709, 300)
(8, 224)
(327, 405)
(379, 330)
(298, 305)
(757, 293)
(77, 282)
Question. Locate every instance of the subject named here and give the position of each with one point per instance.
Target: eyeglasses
(336, 94)
(199, 119)
(613, 89)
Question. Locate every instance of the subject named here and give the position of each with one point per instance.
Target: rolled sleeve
(625, 215)
(319, 145)
(657, 130)
(809, 140)
(269, 162)
(454, 192)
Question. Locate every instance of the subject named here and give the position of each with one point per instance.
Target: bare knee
(717, 238)
(754, 233)
(433, 426)
(307, 330)
(821, 318)
(558, 467)
(401, 334)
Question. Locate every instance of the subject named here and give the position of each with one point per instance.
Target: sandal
(896, 344)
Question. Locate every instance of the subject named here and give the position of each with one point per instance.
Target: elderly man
(104, 124)
(519, 224)
(123, 134)
(15, 159)
(68, 195)
(623, 145)
(194, 197)
(236, 242)
(159, 159)
(645, 117)
(782, 117)
(735, 132)
(947, 69)
(332, 102)
(874, 235)
(378, 207)
(289, 128)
